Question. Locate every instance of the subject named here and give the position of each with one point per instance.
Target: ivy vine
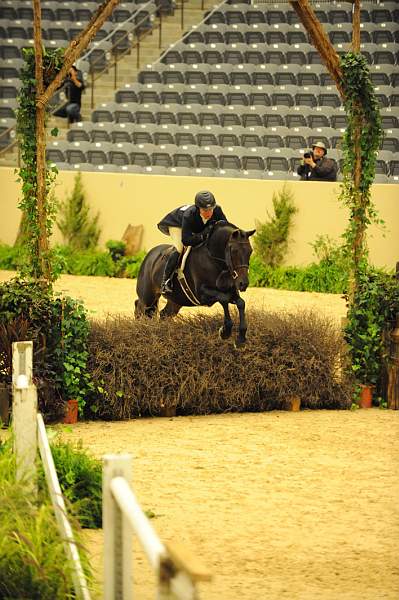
(26, 131)
(363, 114)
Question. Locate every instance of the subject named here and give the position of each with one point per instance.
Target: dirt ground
(280, 505)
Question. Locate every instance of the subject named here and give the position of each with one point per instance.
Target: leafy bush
(10, 257)
(59, 329)
(33, 563)
(271, 238)
(80, 477)
(116, 248)
(371, 315)
(147, 366)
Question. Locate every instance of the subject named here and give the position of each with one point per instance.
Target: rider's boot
(166, 285)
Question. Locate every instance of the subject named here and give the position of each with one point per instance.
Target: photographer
(316, 166)
(74, 87)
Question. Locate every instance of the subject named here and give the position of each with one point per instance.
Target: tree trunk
(359, 240)
(40, 149)
(320, 40)
(77, 45)
(73, 51)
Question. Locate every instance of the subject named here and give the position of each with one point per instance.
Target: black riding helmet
(205, 200)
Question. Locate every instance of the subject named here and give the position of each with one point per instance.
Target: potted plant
(371, 314)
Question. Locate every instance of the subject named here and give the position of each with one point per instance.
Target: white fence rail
(176, 572)
(29, 431)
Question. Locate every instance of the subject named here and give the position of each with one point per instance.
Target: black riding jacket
(325, 170)
(188, 217)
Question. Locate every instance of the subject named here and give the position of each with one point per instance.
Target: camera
(308, 155)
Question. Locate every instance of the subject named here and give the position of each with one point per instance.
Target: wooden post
(41, 167)
(118, 536)
(24, 413)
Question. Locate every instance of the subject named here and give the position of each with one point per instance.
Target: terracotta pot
(71, 415)
(366, 396)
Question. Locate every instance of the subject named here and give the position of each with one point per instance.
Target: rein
(229, 262)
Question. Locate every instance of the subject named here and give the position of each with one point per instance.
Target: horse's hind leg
(170, 310)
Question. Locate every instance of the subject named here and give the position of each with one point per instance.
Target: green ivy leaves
(26, 131)
(363, 113)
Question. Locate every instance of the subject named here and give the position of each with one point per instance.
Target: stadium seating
(243, 92)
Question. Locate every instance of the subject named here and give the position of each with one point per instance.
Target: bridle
(228, 261)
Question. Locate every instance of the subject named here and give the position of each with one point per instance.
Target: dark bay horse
(215, 271)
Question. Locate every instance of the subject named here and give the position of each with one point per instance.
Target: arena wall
(144, 199)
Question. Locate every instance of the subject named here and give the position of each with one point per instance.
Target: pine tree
(79, 229)
(271, 239)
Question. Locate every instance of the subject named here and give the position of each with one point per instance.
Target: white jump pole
(24, 411)
(118, 534)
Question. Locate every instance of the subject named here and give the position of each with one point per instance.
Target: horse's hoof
(223, 334)
(239, 344)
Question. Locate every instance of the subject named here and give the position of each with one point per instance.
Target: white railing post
(65, 529)
(24, 409)
(118, 535)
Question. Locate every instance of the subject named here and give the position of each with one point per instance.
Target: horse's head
(238, 252)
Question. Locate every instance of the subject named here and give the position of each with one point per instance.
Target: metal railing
(113, 55)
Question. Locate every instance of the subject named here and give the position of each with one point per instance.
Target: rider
(186, 225)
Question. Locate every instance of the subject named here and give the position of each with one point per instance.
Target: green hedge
(329, 275)
(322, 277)
(325, 276)
(73, 262)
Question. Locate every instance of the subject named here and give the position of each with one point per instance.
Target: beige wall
(145, 199)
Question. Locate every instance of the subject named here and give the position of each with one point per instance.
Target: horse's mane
(219, 234)
(221, 225)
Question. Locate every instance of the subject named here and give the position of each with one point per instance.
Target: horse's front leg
(242, 327)
(226, 329)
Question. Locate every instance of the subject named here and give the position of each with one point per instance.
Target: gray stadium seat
(184, 138)
(381, 15)
(168, 77)
(272, 117)
(389, 118)
(272, 141)
(233, 36)
(205, 161)
(195, 76)
(142, 136)
(148, 75)
(230, 160)
(140, 156)
(97, 154)
(101, 132)
(213, 36)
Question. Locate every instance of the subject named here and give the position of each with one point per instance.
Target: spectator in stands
(186, 226)
(73, 86)
(316, 166)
